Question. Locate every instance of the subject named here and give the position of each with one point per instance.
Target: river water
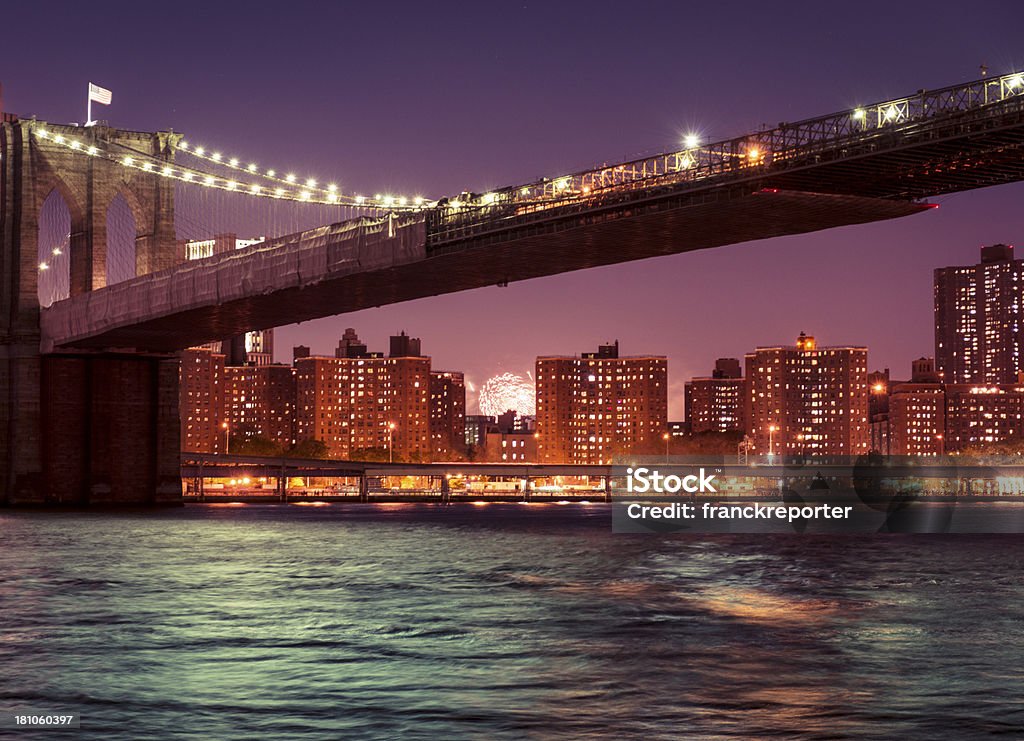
(501, 621)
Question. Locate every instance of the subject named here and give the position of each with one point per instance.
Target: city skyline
(470, 101)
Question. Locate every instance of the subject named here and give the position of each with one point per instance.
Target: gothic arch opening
(54, 250)
(121, 233)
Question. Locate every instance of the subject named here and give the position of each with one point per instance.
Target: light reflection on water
(504, 621)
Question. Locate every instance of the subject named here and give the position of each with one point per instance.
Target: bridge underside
(324, 272)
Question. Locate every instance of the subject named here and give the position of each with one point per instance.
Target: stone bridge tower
(82, 428)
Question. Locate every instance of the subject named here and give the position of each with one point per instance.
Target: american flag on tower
(99, 94)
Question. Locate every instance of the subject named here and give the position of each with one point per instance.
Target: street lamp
(666, 437)
(391, 442)
(227, 437)
(771, 441)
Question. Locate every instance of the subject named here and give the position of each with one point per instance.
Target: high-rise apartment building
(976, 415)
(979, 319)
(717, 403)
(259, 401)
(931, 418)
(808, 400)
(600, 408)
(365, 405)
(201, 401)
(218, 402)
(917, 419)
(447, 415)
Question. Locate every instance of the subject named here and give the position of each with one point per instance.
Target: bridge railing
(741, 156)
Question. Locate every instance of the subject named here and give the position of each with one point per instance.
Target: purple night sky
(434, 98)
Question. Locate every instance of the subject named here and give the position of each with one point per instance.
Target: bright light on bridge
(691, 141)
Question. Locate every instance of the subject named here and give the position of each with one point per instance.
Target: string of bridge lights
(308, 191)
(329, 193)
(289, 186)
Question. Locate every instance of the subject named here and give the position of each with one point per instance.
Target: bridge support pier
(91, 430)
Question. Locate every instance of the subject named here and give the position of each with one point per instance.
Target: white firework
(507, 391)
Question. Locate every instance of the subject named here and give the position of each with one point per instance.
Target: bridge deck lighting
(75, 144)
(456, 203)
(691, 141)
(42, 133)
(92, 150)
(147, 166)
(254, 188)
(43, 266)
(332, 197)
(271, 173)
(859, 114)
(200, 151)
(127, 162)
(59, 139)
(216, 157)
(232, 184)
(418, 200)
(290, 178)
(278, 192)
(234, 162)
(489, 198)
(402, 201)
(251, 167)
(166, 171)
(1015, 81)
(388, 200)
(183, 146)
(208, 180)
(332, 188)
(311, 183)
(304, 195)
(359, 200)
(186, 176)
(524, 191)
(754, 153)
(57, 251)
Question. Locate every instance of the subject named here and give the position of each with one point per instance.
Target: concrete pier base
(93, 430)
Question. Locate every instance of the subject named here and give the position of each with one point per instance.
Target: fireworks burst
(507, 391)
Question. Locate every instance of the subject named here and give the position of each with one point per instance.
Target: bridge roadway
(357, 265)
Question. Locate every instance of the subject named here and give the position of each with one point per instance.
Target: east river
(501, 621)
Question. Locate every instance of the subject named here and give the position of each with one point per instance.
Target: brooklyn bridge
(89, 373)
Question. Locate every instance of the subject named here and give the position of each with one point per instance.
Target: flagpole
(88, 105)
